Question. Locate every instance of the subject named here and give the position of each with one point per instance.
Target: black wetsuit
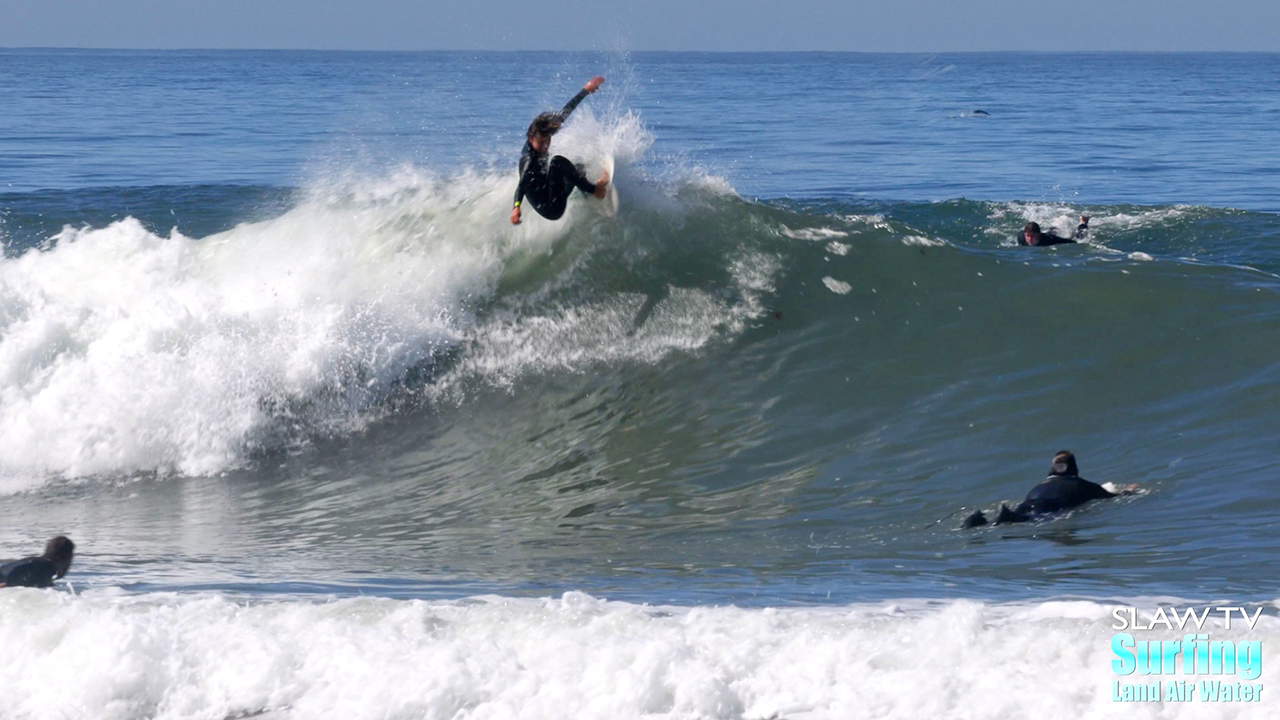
(1050, 239)
(28, 572)
(1059, 491)
(548, 183)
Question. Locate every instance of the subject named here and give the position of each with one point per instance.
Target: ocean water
(334, 439)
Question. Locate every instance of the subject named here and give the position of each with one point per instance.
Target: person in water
(548, 183)
(1063, 489)
(39, 570)
(1032, 235)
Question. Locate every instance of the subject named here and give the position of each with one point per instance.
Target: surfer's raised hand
(515, 215)
(593, 84)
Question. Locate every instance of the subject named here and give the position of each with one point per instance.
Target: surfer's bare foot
(602, 185)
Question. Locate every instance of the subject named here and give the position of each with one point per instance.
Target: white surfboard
(611, 194)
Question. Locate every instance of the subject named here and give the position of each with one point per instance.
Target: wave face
(795, 387)
(127, 351)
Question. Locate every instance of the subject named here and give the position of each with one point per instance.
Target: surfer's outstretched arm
(519, 198)
(530, 167)
(592, 85)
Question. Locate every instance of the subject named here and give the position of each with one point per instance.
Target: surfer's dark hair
(1031, 227)
(1064, 463)
(548, 123)
(59, 551)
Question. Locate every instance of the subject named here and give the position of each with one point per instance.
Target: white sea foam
(124, 350)
(1063, 219)
(812, 234)
(624, 326)
(838, 287)
(922, 241)
(876, 221)
(114, 656)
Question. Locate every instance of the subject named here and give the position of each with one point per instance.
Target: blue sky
(854, 25)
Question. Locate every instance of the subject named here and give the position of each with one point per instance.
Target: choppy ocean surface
(334, 439)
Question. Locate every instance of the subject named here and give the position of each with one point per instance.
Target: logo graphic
(1217, 667)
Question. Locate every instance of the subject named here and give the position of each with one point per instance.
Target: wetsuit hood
(1064, 463)
(59, 551)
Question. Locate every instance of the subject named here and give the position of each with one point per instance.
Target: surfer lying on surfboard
(1061, 490)
(548, 183)
(1032, 235)
(40, 570)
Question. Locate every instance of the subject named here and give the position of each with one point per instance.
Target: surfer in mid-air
(548, 182)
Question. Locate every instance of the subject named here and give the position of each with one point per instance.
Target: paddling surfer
(1061, 490)
(1032, 235)
(39, 570)
(548, 182)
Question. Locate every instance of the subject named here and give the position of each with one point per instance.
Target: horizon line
(1076, 51)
